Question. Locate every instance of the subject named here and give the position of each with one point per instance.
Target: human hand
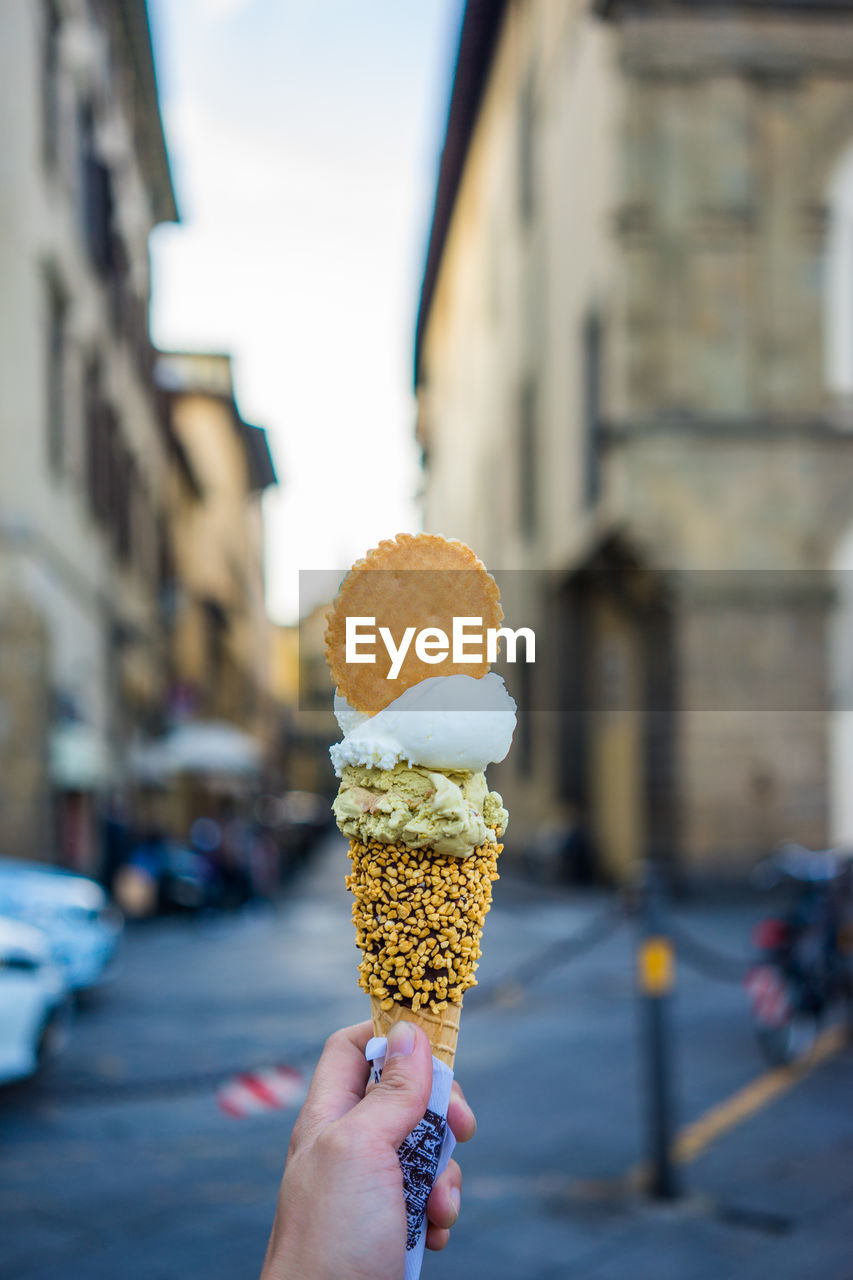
(341, 1211)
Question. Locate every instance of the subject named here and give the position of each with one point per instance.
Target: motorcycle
(803, 970)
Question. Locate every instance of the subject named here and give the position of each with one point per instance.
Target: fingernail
(401, 1040)
(455, 1200)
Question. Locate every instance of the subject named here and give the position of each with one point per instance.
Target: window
(96, 198)
(527, 461)
(101, 438)
(91, 398)
(146, 532)
(123, 499)
(526, 174)
(215, 628)
(92, 418)
(56, 343)
(165, 560)
(109, 465)
(591, 407)
(50, 82)
(112, 477)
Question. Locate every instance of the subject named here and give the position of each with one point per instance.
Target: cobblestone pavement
(99, 1179)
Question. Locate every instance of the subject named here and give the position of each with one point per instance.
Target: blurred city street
(119, 1162)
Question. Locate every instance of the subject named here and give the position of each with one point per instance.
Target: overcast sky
(304, 140)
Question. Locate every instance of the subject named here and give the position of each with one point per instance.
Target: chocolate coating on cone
(442, 1028)
(419, 919)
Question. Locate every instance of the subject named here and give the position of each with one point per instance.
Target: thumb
(398, 1102)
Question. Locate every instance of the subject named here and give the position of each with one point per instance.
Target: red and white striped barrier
(254, 1092)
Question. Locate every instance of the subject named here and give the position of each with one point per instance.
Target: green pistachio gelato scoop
(450, 812)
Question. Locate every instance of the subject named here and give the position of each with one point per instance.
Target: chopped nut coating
(419, 918)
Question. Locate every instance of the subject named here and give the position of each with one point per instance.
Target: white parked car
(34, 1007)
(83, 927)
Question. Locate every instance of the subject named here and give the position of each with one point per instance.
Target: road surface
(120, 1164)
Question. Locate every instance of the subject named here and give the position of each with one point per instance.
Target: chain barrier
(698, 955)
(500, 991)
(550, 957)
(505, 990)
(163, 1088)
(705, 959)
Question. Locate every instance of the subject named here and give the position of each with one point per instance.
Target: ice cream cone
(423, 827)
(442, 1028)
(419, 917)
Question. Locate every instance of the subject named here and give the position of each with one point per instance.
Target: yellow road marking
(696, 1137)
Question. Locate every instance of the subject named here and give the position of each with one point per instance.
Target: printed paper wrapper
(423, 1155)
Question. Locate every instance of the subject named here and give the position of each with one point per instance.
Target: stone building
(218, 702)
(85, 446)
(304, 692)
(634, 368)
(220, 634)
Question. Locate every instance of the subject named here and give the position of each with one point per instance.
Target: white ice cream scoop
(446, 722)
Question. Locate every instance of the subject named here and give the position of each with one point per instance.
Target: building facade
(634, 371)
(304, 692)
(220, 634)
(84, 450)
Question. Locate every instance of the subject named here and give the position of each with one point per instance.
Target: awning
(201, 746)
(79, 757)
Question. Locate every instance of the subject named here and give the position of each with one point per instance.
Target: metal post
(655, 977)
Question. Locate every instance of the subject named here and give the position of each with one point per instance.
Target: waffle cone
(442, 1028)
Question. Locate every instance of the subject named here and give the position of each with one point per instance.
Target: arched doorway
(618, 724)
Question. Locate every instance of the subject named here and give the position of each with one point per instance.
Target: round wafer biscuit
(414, 580)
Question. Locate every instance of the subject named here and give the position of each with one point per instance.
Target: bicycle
(803, 969)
